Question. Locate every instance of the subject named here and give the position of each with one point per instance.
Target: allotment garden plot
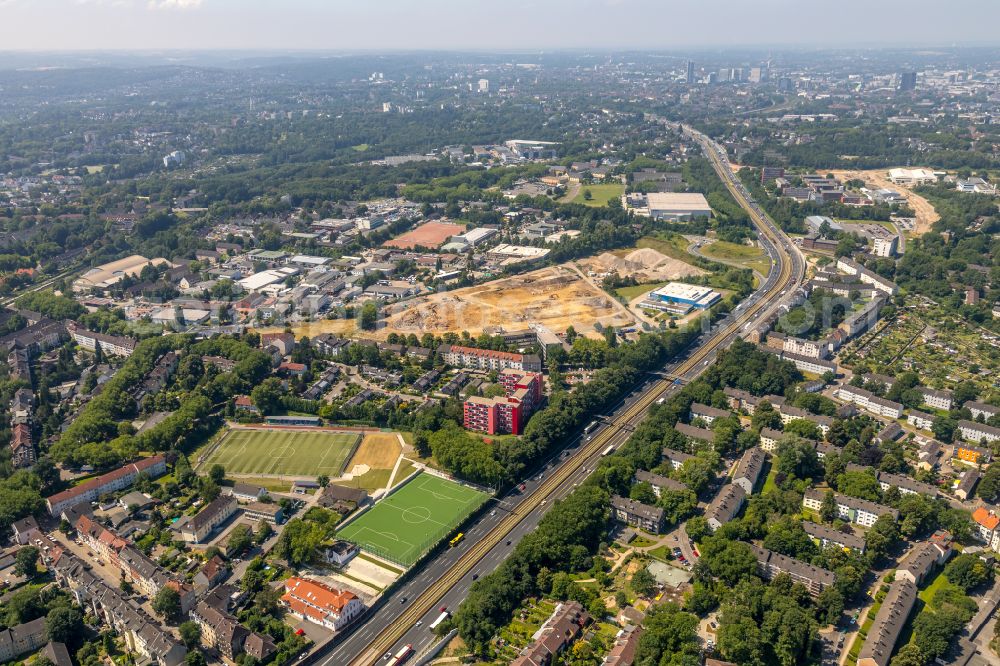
(284, 452)
(409, 522)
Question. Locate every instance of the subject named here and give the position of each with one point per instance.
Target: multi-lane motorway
(404, 615)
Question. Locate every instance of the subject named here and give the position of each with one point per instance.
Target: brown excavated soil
(644, 264)
(556, 297)
(925, 213)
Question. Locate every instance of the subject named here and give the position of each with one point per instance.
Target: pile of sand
(357, 470)
(644, 264)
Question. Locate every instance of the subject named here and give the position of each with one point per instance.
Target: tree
(964, 391)
(828, 508)
(300, 540)
(697, 528)
(731, 563)
(989, 485)
(64, 624)
(797, 458)
(882, 535)
(967, 571)
(933, 631)
(26, 562)
(786, 536)
(669, 636)
(369, 316)
(167, 603)
(587, 194)
(701, 600)
(643, 582)
(804, 428)
(643, 492)
(323, 480)
(239, 539)
(267, 395)
(740, 640)
(944, 428)
(190, 633)
(765, 416)
(861, 484)
(909, 655)
(830, 604)
(264, 531)
(217, 473)
(195, 658)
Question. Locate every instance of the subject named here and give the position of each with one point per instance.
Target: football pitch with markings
(290, 452)
(410, 521)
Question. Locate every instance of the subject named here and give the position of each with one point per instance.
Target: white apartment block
(851, 267)
(810, 348)
(981, 409)
(487, 359)
(858, 511)
(977, 432)
(707, 413)
(885, 247)
(987, 521)
(919, 419)
(769, 438)
(935, 398)
(869, 401)
(789, 413)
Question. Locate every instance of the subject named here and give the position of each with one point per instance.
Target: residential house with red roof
(321, 604)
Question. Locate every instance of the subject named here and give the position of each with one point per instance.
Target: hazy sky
(489, 24)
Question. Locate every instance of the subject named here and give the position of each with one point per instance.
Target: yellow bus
(458, 539)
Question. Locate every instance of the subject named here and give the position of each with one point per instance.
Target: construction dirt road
(926, 215)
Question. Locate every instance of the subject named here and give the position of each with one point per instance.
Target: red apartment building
(507, 414)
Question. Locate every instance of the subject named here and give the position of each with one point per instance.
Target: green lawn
(628, 293)
(361, 147)
(769, 483)
(743, 255)
(409, 522)
(289, 452)
(371, 480)
(640, 541)
(660, 553)
(675, 246)
(600, 194)
(939, 582)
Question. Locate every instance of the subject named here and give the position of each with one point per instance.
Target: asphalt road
(367, 628)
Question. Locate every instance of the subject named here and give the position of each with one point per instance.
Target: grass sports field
(404, 525)
(600, 194)
(290, 452)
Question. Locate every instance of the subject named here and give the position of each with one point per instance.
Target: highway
(444, 580)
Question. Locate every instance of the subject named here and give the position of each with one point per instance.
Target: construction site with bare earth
(646, 265)
(556, 297)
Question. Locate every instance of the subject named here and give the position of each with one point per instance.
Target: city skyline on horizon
(446, 25)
